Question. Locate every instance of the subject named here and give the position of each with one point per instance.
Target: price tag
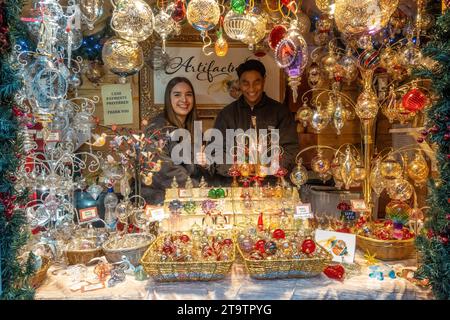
(54, 136)
(359, 205)
(154, 213)
(39, 135)
(349, 215)
(185, 193)
(303, 211)
(92, 287)
(88, 214)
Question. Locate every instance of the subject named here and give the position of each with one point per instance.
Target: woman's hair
(169, 113)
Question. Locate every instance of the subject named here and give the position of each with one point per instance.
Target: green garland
(434, 246)
(13, 231)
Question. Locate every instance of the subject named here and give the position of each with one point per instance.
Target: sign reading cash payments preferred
(117, 104)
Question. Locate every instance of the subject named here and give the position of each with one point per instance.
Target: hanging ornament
(236, 25)
(238, 6)
(376, 179)
(157, 59)
(304, 24)
(203, 15)
(349, 65)
(299, 175)
(335, 169)
(400, 189)
(398, 19)
(325, 5)
(367, 102)
(320, 164)
(320, 119)
(418, 169)
(410, 56)
(389, 109)
(258, 29)
(390, 169)
(276, 35)
(91, 11)
(329, 62)
(304, 114)
(359, 172)
(179, 11)
(315, 79)
(164, 26)
(132, 20)
(339, 116)
(122, 57)
(221, 45)
(427, 22)
(414, 100)
(348, 164)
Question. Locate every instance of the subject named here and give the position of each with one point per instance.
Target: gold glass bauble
(299, 176)
(376, 179)
(418, 170)
(336, 169)
(304, 114)
(324, 6)
(257, 30)
(236, 25)
(357, 17)
(122, 57)
(329, 62)
(367, 102)
(245, 170)
(348, 164)
(349, 66)
(304, 24)
(133, 20)
(221, 46)
(359, 173)
(203, 15)
(390, 169)
(320, 119)
(339, 116)
(400, 189)
(320, 164)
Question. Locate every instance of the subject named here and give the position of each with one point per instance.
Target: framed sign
(88, 215)
(213, 77)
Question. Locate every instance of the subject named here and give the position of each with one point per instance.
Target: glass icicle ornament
(236, 25)
(299, 176)
(304, 114)
(203, 15)
(132, 20)
(367, 102)
(376, 179)
(320, 119)
(348, 164)
(339, 116)
(418, 170)
(164, 26)
(122, 57)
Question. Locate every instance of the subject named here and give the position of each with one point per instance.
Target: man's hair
(251, 65)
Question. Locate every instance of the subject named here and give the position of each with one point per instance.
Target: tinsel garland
(434, 246)
(13, 231)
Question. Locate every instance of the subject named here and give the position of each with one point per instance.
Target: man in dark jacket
(254, 107)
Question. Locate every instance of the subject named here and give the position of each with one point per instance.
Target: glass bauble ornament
(221, 45)
(397, 208)
(364, 16)
(325, 6)
(315, 79)
(321, 39)
(203, 15)
(348, 164)
(427, 21)
(299, 175)
(132, 20)
(94, 71)
(400, 189)
(320, 164)
(367, 102)
(304, 24)
(122, 57)
(418, 169)
(91, 11)
(238, 6)
(276, 35)
(164, 26)
(304, 114)
(398, 19)
(157, 59)
(320, 119)
(329, 62)
(349, 65)
(369, 59)
(236, 25)
(410, 56)
(376, 179)
(324, 24)
(339, 116)
(179, 11)
(258, 29)
(359, 173)
(66, 34)
(336, 169)
(390, 169)
(414, 100)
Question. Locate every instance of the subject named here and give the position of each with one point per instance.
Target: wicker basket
(386, 249)
(82, 256)
(288, 268)
(41, 274)
(133, 254)
(185, 271)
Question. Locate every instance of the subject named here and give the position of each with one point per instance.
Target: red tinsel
(7, 201)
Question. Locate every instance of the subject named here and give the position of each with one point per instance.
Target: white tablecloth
(239, 286)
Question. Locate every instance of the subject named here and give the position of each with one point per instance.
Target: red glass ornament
(259, 245)
(260, 222)
(278, 234)
(207, 251)
(168, 249)
(184, 238)
(227, 242)
(414, 100)
(276, 35)
(308, 246)
(179, 13)
(335, 272)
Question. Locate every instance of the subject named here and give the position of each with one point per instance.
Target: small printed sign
(92, 287)
(349, 215)
(185, 193)
(359, 205)
(303, 211)
(117, 104)
(88, 214)
(53, 136)
(154, 213)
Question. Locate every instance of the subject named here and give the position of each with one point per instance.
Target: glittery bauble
(400, 189)
(270, 248)
(299, 175)
(203, 15)
(418, 169)
(132, 20)
(308, 246)
(320, 164)
(304, 114)
(257, 30)
(390, 169)
(320, 119)
(414, 100)
(276, 35)
(364, 16)
(236, 25)
(122, 57)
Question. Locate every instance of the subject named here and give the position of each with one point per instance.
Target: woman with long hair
(179, 113)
